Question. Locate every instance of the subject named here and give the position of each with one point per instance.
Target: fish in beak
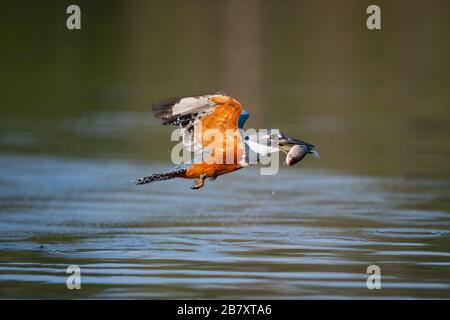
(295, 149)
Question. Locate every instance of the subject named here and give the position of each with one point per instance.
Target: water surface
(299, 234)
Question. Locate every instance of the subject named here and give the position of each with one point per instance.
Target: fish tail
(314, 152)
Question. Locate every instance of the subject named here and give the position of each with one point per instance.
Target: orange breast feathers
(220, 135)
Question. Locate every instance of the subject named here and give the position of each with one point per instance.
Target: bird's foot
(199, 182)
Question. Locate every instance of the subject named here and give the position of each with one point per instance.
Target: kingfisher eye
(246, 138)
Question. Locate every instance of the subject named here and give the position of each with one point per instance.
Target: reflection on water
(300, 233)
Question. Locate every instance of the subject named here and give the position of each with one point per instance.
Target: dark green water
(76, 128)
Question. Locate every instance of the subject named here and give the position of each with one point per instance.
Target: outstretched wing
(201, 117)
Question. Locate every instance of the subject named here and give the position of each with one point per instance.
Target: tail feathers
(159, 177)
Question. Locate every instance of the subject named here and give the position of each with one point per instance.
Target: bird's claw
(199, 182)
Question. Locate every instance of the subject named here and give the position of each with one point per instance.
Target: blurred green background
(374, 102)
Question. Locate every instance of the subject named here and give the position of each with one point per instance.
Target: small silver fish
(295, 154)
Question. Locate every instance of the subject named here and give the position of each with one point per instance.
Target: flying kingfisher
(212, 129)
